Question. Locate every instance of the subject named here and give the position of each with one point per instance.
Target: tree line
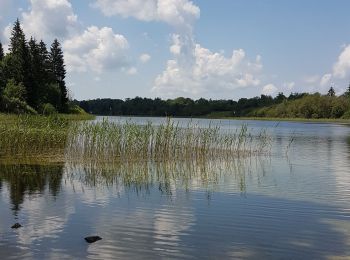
(302, 105)
(310, 106)
(180, 106)
(32, 78)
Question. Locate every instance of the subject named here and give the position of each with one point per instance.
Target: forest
(32, 78)
(296, 105)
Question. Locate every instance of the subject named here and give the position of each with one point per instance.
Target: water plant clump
(129, 141)
(26, 135)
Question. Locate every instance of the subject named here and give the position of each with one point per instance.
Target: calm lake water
(291, 204)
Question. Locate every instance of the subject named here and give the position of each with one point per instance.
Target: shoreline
(276, 119)
(87, 116)
(284, 119)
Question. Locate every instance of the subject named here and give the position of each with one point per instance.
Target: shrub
(14, 91)
(48, 109)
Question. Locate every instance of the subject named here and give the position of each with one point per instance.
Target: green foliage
(16, 106)
(331, 92)
(296, 105)
(346, 115)
(75, 109)
(309, 106)
(1, 52)
(59, 73)
(53, 95)
(109, 141)
(347, 92)
(29, 135)
(13, 90)
(48, 109)
(2, 77)
(13, 99)
(42, 74)
(182, 107)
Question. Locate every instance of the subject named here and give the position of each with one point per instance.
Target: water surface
(291, 204)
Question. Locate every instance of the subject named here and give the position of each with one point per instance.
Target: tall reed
(129, 141)
(26, 135)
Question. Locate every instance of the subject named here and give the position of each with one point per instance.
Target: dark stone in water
(17, 225)
(92, 239)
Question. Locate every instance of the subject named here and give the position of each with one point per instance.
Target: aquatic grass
(27, 135)
(129, 141)
(59, 138)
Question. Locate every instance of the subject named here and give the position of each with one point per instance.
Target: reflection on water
(140, 177)
(29, 180)
(293, 205)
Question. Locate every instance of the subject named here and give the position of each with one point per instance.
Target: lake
(292, 203)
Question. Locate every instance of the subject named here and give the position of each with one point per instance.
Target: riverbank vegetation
(59, 137)
(296, 105)
(37, 136)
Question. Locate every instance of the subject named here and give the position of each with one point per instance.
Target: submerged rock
(17, 225)
(92, 239)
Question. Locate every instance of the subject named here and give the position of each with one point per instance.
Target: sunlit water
(291, 204)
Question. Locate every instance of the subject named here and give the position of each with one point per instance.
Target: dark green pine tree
(2, 75)
(45, 62)
(46, 78)
(1, 52)
(331, 92)
(17, 38)
(347, 92)
(59, 72)
(21, 61)
(36, 70)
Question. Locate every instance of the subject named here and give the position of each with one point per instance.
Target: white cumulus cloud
(325, 80)
(50, 19)
(196, 71)
(269, 89)
(144, 58)
(289, 86)
(96, 49)
(132, 71)
(341, 68)
(173, 12)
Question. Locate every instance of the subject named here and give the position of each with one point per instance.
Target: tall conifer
(21, 59)
(59, 72)
(1, 52)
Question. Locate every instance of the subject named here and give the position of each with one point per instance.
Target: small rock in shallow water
(17, 225)
(92, 239)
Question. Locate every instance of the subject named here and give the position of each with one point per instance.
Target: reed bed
(59, 138)
(26, 135)
(109, 141)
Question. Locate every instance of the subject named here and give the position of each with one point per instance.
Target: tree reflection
(30, 180)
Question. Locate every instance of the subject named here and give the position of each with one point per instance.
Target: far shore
(277, 119)
(303, 120)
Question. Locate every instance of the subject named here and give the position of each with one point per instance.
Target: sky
(225, 49)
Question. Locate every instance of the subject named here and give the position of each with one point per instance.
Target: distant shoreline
(302, 120)
(276, 119)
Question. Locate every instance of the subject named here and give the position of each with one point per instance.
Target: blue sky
(200, 48)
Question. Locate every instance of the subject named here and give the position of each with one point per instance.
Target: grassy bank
(36, 136)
